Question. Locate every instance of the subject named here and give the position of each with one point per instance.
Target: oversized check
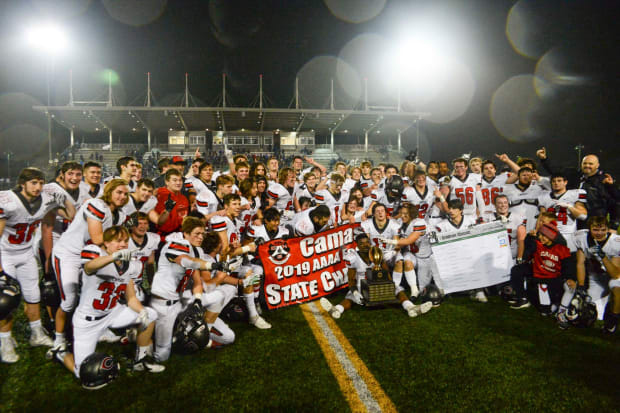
(474, 257)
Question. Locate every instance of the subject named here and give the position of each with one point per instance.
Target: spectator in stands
(162, 165)
(170, 198)
(603, 196)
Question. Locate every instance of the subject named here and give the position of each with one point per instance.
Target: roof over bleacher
(132, 119)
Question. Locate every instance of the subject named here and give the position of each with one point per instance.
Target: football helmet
(431, 293)
(98, 370)
(235, 310)
(582, 311)
(190, 333)
(10, 295)
(50, 294)
(394, 187)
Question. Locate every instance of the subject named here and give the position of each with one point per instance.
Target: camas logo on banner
(279, 252)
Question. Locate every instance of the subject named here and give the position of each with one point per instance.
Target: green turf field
(463, 356)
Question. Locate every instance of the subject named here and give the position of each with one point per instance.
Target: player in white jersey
(94, 216)
(21, 211)
(142, 200)
(334, 198)
(491, 185)
(250, 204)
(108, 277)
(515, 225)
(92, 179)
(423, 196)
(270, 229)
(463, 186)
(598, 272)
(312, 220)
(390, 196)
(228, 228)
(523, 196)
(143, 244)
(379, 228)
(179, 263)
(568, 206)
(358, 262)
(204, 180)
(305, 190)
(281, 193)
(210, 203)
(127, 168)
(458, 220)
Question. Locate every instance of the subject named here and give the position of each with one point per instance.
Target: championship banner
(473, 257)
(303, 269)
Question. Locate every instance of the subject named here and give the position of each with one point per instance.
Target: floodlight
(48, 38)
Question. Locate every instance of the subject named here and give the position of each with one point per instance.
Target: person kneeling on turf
(108, 273)
(358, 261)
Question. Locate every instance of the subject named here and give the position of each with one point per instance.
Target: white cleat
(417, 310)
(39, 338)
(7, 351)
(259, 322)
(148, 364)
(327, 306)
(480, 297)
(58, 348)
(109, 337)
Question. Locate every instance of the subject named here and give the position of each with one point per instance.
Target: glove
(130, 222)
(259, 241)
(196, 307)
(504, 219)
(597, 252)
(233, 265)
(520, 261)
(358, 297)
(563, 205)
(229, 155)
(169, 204)
(217, 266)
(123, 255)
(59, 198)
(581, 290)
(288, 214)
(251, 280)
(389, 241)
(143, 319)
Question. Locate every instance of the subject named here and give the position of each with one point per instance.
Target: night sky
(569, 45)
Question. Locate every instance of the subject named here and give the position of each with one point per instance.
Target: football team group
(158, 261)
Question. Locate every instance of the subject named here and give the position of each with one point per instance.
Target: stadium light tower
(51, 41)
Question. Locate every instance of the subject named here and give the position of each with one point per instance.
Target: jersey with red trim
(132, 206)
(144, 250)
(422, 246)
(424, 200)
(77, 235)
(231, 226)
(248, 215)
(348, 184)
(390, 230)
(566, 223)
(610, 246)
(303, 191)
(171, 279)
(132, 185)
(260, 231)
(524, 202)
(447, 226)
(23, 218)
(77, 198)
(546, 262)
(207, 202)
(283, 198)
(198, 185)
(366, 182)
(512, 221)
(354, 261)
(92, 192)
(335, 203)
(489, 190)
(380, 197)
(101, 291)
(465, 190)
(304, 225)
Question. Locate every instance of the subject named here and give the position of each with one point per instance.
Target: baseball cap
(178, 159)
(549, 230)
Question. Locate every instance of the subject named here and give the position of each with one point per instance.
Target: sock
(249, 301)
(35, 325)
(407, 305)
(339, 308)
(141, 352)
(59, 338)
(411, 278)
(397, 277)
(5, 335)
(256, 290)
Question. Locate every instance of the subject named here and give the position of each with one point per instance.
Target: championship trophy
(378, 287)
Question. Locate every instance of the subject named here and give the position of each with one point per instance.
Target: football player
(228, 228)
(312, 220)
(171, 203)
(92, 179)
(203, 181)
(270, 229)
(491, 185)
(598, 271)
(568, 206)
(390, 196)
(127, 168)
(463, 186)
(307, 189)
(515, 226)
(273, 167)
(176, 267)
(250, 204)
(143, 244)
(94, 216)
(281, 193)
(108, 276)
(142, 200)
(423, 196)
(523, 196)
(333, 197)
(21, 211)
(210, 203)
(380, 227)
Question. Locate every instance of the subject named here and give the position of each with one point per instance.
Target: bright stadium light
(47, 38)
